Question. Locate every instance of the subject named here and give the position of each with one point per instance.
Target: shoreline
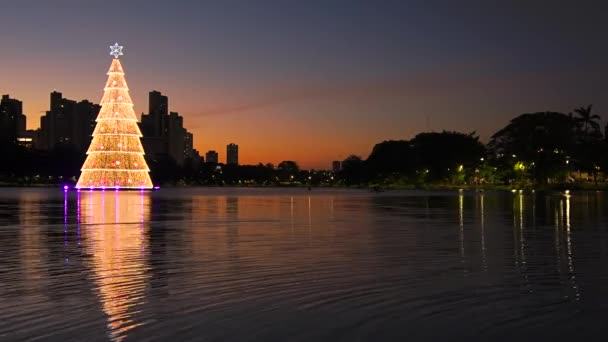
(377, 188)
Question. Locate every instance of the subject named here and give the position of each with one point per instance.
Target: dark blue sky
(330, 78)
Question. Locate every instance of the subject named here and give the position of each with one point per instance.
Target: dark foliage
(541, 147)
(428, 157)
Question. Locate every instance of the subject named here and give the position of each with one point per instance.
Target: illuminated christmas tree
(115, 158)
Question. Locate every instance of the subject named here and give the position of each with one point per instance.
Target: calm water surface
(289, 265)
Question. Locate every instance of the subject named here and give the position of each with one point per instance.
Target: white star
(116, 50)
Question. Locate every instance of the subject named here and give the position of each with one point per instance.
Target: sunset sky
(313, 81)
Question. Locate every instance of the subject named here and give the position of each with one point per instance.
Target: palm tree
(587, 120)
(591, 134)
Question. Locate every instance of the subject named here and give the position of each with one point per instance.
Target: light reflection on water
(272, 264)
(112, 224)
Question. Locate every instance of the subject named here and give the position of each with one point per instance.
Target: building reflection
(232, 217)
(114, 233)
(33, 245)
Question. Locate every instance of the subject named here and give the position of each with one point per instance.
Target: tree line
(533, 148)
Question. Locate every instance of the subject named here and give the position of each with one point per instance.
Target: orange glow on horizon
(309, 122)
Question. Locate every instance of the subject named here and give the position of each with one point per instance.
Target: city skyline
(303, 76)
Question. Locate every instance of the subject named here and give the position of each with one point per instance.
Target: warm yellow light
(519, 166)
(115, 157)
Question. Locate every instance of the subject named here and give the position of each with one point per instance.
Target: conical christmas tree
(115, 158)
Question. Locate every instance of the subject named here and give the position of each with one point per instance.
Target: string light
(115, 157)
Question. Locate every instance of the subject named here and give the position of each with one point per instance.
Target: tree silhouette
(391, 157)
(353, 170)
(288, 170)
(442, 154)
(587, 120)
(543, 141)
(589, 148)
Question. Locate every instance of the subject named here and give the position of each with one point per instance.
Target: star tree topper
(116, 50)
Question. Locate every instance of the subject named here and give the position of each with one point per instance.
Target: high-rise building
(27, 139)
(12, 120)
(175, 133)
(55, 123)
(164, 132)
(336, 166)
(197, 159)
(85, 113)
(67, 123)
(211, 157)
(153, 124)
(232, 154)
(189, 145)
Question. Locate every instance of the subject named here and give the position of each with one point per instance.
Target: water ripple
(276, 265)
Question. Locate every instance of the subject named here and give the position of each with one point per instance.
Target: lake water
(216, 264)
